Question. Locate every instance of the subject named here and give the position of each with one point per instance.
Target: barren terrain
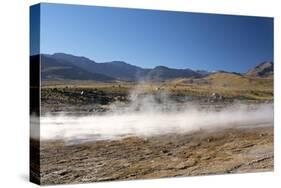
(231, 148)
(197, 153)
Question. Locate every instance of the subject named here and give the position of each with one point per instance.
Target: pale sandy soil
(233, 150)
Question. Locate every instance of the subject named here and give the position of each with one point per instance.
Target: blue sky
(148, 38)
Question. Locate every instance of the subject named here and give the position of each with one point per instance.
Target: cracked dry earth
(199, 153)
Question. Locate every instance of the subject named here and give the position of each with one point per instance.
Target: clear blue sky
(148, 38)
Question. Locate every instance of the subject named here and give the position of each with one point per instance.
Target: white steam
(150, 115)
(150, 121)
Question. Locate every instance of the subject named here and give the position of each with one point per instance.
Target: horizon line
(218, 70)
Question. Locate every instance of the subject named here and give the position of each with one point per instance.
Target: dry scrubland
(64, 96)
(202, 152)
(228, 85)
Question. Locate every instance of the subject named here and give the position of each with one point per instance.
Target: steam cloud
(151, 115)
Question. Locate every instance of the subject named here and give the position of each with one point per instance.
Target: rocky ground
(233, 150)
(85, 101)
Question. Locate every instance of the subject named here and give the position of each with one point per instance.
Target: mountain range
(61, 66)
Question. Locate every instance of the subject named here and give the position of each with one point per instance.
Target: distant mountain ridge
(116, 69)
(57, 69)
(53, 67)
(165, 73)
(61, 66)
(264, 69)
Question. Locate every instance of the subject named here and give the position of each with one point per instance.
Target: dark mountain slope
(165, 73)
(264, 69)
(56, 69)
(118, 70)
